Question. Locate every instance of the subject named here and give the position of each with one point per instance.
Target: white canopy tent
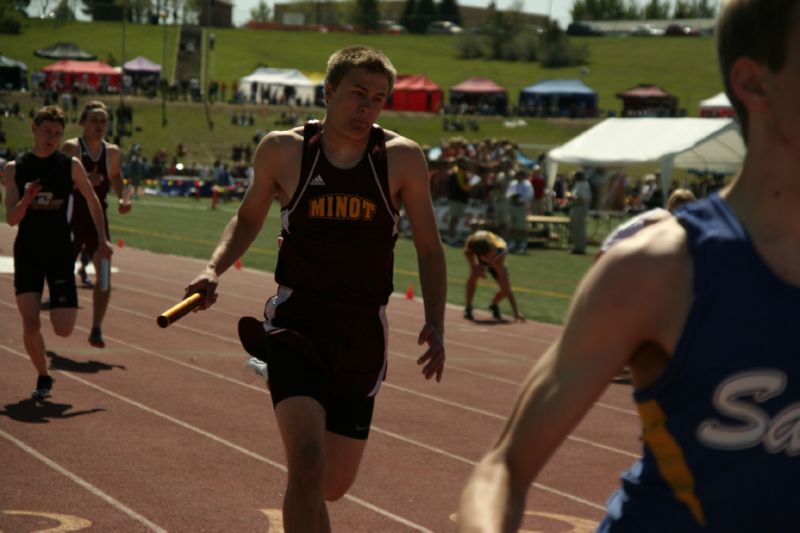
(711, 144)
(282, 85)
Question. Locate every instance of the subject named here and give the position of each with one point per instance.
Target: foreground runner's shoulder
(281, 142)
(283, 136)
(396, 141)
(71, 147)
(655, 259)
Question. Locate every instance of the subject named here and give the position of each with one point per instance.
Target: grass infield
(543, 280)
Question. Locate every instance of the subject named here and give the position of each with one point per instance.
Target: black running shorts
(335, 356)
(34, 263)
(291, 373)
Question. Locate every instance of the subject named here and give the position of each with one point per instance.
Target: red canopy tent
(415, 93)
(95, 74)
(481, 94)
(648, 101)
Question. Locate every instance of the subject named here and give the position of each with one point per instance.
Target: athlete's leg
(100, 298)
(344, 457)
(499, 296)
(472, 283)
(29, 305)
(63, 320)
(301, 420)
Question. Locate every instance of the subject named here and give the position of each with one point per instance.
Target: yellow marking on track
(579, 525)
(65, 522)
(275, 517)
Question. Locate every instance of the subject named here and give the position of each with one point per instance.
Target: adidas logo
(317, 181)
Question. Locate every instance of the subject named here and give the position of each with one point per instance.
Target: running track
(159, 432)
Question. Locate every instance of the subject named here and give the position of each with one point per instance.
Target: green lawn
(684, 66)
(543, 280)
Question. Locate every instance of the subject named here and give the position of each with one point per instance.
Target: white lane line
(545, 488)
(465, 326)
(262, 301)
(504, 417)
(450, 367)
(80, 481)
(220, 440)
(483, 375)
(385, 384)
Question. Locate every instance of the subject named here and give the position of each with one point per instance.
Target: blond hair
(51, 113)
(373, 60)
(678, 198)
(94, 105)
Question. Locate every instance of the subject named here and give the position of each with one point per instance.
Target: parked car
(444, 27)
(584, 29)
(391, 26)
(681, 30)
(647, 30)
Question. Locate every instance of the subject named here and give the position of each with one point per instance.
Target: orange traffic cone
(238, 264)
(410, 292)
(121, 243)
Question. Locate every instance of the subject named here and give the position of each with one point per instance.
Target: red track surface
(158, 431)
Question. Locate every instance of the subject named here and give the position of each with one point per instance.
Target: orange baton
(186, 306)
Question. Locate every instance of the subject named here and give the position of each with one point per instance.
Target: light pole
(207, 44)
(121, 109)
(164, 82)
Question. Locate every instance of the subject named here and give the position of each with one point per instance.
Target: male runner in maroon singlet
(341, 183)
(102, 163)
(38, 185)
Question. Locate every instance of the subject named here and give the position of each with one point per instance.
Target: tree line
(584, 10)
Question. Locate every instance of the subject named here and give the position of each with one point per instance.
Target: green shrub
(10, 20)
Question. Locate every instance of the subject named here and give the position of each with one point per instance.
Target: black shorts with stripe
(337, 357)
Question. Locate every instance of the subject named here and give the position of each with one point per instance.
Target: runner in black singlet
(39, 185)
(340, 184)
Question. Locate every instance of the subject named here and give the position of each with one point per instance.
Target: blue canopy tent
(13, 74)
(558, 98)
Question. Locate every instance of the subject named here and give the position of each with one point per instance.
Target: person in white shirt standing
(579, 204)
(520, 194)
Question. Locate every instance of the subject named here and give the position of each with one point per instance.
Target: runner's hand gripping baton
(186, 306)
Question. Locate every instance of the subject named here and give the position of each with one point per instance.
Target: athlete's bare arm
(638, 293)
(476, 269)
(16, 207)
(116, 178)
(276, 165)
(410, 187)
(84, 186)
